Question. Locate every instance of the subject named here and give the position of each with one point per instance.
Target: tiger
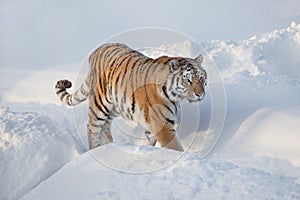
(124, 82)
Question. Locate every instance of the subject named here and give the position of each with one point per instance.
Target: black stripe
(101, 102)
(174, 104)
(164, 89)
(132, 71)
(95, 125)
(122, 108)
(126, 68)
(112, 55)
(123, 78)
(105, 54)
(107, 100)
(106, 50)
(121, 62)
(139, 54)
(123, 58)
(61, 90)
(99, 108)
(165, 93)
(130, 77)
(172, 81)
(104, 90)
(167, 61)
(101, 54)
(100, 84)
(146, 93)
(142, 70)
(133, 65)
(133, 104)
(105, 47)
(147, 72)
(63, 95)
(170, 121)
(128, 114)
(99, 49)
(138, 74)
(112, 72)
(171, 111)
(94, 115)
(159, 110)
(124, 75)
(92, 67)
(179, 59)
(147, 66)
(116, 82)
(102, 81)
(154, 110)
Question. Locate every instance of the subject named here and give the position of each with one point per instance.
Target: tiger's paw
(63, 84)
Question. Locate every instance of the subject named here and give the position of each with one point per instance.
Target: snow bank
(273, 55)
(261, 75)
(190, 178)
(270, 132)
(32, 147)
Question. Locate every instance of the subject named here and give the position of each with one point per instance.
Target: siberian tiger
(124, 82)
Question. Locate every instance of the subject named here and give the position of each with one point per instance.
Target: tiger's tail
(71, 99)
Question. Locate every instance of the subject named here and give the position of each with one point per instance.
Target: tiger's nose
(197, 90)
(200, 94)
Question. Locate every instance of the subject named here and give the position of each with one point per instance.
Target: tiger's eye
(200, 76)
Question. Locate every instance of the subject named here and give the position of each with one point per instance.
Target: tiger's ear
(174, 65)
(199, 59)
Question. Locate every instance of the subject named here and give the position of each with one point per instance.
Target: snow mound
(190, 178)
(270, 132)
(273, 55)
(32, 147)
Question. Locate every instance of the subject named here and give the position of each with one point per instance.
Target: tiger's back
(124, 82)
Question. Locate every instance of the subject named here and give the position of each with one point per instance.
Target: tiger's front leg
(168, 139)
(166, 135)
(151, 138)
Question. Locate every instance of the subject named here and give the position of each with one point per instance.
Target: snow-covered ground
(256, 157)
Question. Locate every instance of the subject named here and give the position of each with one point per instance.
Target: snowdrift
(190, 178)
(32, 147)
(257, 155)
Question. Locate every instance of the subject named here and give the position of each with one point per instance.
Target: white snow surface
(256, 157)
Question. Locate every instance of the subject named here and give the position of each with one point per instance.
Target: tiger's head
(187, 79)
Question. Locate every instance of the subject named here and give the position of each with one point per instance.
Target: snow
(257, 156)
(270, 132)
(32, 147)
(190, 178)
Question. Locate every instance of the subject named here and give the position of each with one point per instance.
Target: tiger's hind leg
(99, 131)
(105, 134)
(99, 127)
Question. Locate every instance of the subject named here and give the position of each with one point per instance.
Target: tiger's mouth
(195, 98)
